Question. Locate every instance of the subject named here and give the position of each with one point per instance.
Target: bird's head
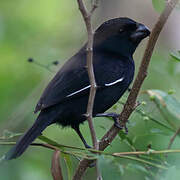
(120, 36)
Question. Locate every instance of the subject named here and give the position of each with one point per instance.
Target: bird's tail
(40, 124)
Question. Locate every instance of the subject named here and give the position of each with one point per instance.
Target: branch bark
(173, 138)
(131, 101)
(87, 19)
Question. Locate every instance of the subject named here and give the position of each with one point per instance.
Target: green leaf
(124, 136)
(175, 56)
(137, 167)
(159, 131)
(144, 161)
(109, 168)
(172, 173)
(68, 162)
(144, 114)
(121, 168)
(8, 135)
(159, 5)
(167, 105)
(147, 178)
(49, 141)
(56, 166)
(2, 159)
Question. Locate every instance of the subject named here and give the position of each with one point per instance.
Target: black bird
(64, 101)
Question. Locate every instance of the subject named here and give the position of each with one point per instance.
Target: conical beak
(140, 33)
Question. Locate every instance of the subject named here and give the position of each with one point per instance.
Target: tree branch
(87, 19)
(173, 138)
(131, 101)
(89, 61)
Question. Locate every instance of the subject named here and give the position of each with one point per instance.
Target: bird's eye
(133, 26)
(121, 30)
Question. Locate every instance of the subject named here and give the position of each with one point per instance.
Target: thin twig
(48, 146)
(173, 138)
(130, 104)
(91, 158)
(94, 6)
(98, 172)
(146, 152)
(164, 115)
(87, 19)
(143, 114)
(56, 148)
(47, 67)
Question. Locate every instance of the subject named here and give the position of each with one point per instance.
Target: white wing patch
(76, 92)
(107, 84)
(115, 82)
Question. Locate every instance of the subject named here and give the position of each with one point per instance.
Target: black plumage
(64, 101)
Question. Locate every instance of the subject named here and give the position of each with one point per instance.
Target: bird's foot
(93, 164)
(115, 117)
(118, 125)
(138, 103)
(87, 146)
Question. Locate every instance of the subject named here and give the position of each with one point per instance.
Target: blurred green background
(54, 30)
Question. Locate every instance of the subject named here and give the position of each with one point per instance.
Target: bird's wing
(72, 81)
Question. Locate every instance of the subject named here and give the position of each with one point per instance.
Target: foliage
(175, 56)
(31, 33)
(159, 5)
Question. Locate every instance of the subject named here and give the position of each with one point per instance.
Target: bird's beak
(140, 33)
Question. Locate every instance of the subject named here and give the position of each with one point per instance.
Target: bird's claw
(126, 129)
(87, 146)
(115, 117)
(118, 125)
(93, 164)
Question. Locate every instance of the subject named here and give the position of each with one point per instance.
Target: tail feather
(40, 124)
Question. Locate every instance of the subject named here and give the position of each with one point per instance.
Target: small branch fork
(87, 19)
(173, 138)
(87, 16)
(131, 101)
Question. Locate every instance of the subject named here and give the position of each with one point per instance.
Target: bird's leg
(112, 115)
(81, 136)
(115, 117)
(84, 142)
